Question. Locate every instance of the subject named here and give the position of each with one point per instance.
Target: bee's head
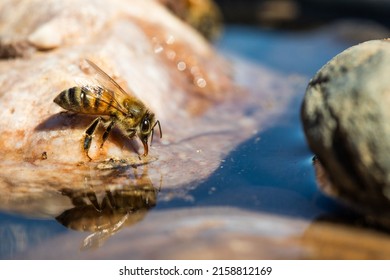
(146, 128)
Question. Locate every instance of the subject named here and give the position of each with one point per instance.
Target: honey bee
(114, 108)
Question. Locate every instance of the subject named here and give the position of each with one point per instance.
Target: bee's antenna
(159, 128)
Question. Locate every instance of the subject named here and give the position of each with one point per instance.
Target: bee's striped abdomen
(83, 100)
(70, 99)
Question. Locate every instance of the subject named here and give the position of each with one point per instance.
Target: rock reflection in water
(107, 211)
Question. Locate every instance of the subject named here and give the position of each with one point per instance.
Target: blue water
(284, 51)
(270, 172)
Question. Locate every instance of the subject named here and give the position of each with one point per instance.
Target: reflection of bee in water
(123, 110)
(106, 209)
(106, 213)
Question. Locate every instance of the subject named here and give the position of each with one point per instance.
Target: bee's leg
(94, 201)
(110, 200)
(107, 132)
(88, 135)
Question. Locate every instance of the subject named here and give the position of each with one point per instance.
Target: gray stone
(345, 115)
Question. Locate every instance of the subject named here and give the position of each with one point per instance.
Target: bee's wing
(96, 94)
(117, 92)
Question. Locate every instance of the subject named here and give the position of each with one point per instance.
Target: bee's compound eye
(145, 127)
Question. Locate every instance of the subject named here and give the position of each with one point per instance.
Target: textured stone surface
(345, 115)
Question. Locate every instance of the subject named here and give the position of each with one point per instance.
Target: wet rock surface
(345, 117)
